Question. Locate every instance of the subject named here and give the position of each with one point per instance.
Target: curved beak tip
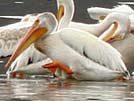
(7, 64)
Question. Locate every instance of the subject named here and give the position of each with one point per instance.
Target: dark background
(11, 7)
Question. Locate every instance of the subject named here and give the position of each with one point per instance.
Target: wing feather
(94, 48)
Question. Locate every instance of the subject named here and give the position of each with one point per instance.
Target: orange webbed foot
(19, 75)
(56, 64)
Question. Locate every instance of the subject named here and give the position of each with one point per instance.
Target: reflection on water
(48, 89)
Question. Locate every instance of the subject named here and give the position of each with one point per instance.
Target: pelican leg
(56, 64)
(19, 75)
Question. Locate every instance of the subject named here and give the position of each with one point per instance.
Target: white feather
(10, 36)
(94, 49)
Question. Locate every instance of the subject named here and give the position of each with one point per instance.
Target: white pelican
(87, 57)
(65, 15)
(99, 13)
(30, 55)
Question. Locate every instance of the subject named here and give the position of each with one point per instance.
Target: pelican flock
(74, 59)
(124, 46)
(73, 49)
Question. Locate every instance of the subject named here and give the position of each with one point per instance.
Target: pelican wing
(93, 48)
(10, 35)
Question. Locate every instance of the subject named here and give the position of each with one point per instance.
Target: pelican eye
(37, 21)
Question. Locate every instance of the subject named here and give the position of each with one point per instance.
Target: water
(49, 89)
(46, 88)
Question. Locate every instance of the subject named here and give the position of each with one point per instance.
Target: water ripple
(68, 90)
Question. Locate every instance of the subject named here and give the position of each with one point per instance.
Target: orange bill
(109, 35)
(102, 17)
(60, 13)
(32, 35)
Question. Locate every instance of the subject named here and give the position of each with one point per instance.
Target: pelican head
(65, 12)
(99, 13)
(121, 27)
(45, 23)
